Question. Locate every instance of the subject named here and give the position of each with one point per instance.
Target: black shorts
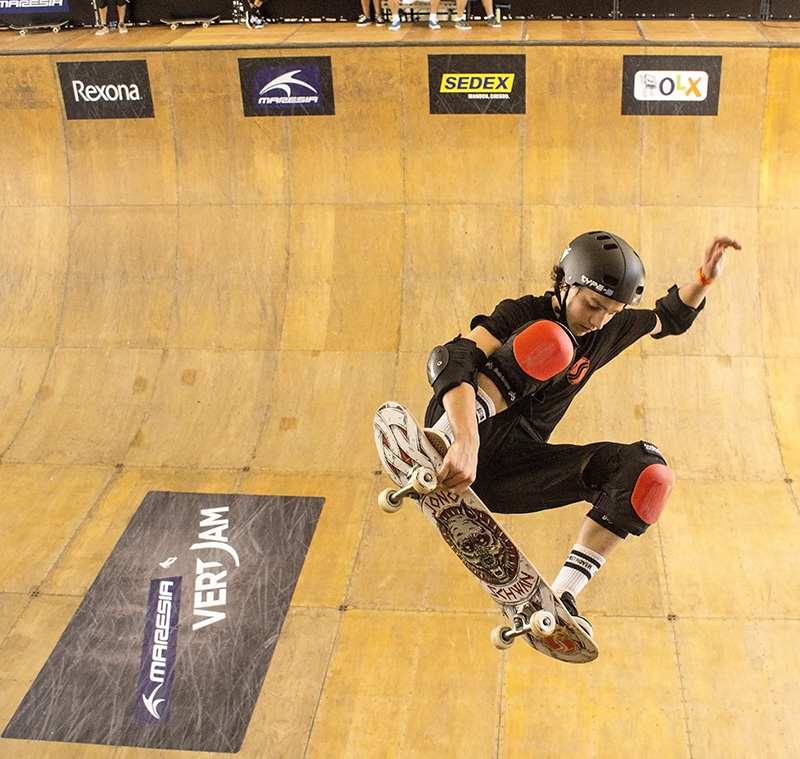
(518, 473)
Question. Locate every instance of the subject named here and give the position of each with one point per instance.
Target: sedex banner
(476, 83)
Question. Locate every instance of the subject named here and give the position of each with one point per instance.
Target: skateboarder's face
(588, 311)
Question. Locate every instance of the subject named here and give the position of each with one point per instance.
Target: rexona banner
(476, 83)
(106, 90)
(671, 85)
(287, 86)
(33, 6)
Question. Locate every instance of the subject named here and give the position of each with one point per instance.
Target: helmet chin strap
(561, 298)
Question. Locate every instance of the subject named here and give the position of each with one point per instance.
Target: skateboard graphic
(174, 23)
(411, 458)
(53, 26)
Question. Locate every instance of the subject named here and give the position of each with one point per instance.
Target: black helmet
(606, 264)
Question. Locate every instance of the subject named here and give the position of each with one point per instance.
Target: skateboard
(174, 23)
(411, 458)
(53, 26)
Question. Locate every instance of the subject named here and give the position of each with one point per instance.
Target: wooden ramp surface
(213, 303)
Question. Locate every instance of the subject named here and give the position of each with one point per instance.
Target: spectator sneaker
(395, 25)
(493, 22)
(363, 20)
(463, 24)
(433, 24)
(102, 30)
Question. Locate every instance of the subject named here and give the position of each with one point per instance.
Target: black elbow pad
(675, 316)
(453, 364)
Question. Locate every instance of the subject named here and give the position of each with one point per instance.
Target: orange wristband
(702, 279)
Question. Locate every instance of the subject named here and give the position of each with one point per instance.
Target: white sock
(581, 565)
(434, 17)
(484, 408)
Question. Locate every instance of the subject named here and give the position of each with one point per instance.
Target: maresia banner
(171, 645)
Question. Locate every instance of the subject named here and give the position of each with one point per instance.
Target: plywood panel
(344, 279)
(356, 156)
(460, 260)
(741, 700)
(578, 149)
(714, 548)
(231, 284)
(780, 162)
(49, 502)
(203, 104)
(775, 288)
(88, 408)
(32, 282)
(314, 425)
(207, 409)
(541, 694)
(34, 162)
(121, 277)
(700, 428)
(784, 391)
(381, 661)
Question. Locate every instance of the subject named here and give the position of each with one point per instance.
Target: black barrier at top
(82, 12)
(152, 11)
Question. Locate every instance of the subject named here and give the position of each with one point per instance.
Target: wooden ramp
(212, 303)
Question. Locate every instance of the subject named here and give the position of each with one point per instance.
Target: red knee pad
(544, 349)
(651, 492)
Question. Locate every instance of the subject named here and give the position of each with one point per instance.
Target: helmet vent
(610, 281)
(611, 246)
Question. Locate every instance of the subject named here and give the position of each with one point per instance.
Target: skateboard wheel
(206, 24)
(543, 624)
(499, 638)
(174, 26)
(424, 480)
(387, 503)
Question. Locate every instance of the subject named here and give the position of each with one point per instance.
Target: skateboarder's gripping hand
(461, 461)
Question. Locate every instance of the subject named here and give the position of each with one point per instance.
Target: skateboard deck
(536, 614)
(174, 23)
(53, 26)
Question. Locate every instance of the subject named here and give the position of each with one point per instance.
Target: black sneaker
(569, 603)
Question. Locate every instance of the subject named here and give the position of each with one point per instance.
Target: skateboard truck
(542, 624)
(422, 480)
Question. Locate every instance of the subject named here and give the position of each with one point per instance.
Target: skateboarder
(500, 391)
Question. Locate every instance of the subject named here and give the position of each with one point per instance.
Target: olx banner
(106, 90)
(476, 83)
(671, 85)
